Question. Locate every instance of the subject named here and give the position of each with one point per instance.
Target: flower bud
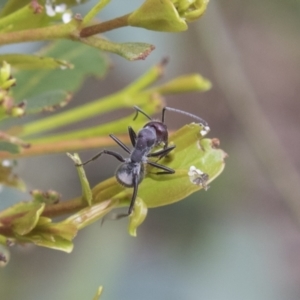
(190, 10)
(6, 80)
(167, 15)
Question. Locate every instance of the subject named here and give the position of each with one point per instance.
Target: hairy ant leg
(166, 169)
(132, 136)
(112, 153)
(162, 153)
(120, 143)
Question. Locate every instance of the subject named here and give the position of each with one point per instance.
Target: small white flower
(7, 163)
(198, 177)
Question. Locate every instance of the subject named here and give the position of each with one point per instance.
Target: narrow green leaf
(30, 62)
(135, 51)
(130, 51)
(138, 216)
(87, 61)
(98, 293)
(85, 186)
(94, 11)
(28, 221)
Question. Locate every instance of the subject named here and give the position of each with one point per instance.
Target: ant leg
(112, 153)
(137, 110)
(162, 153)
(132, 136)
(133, 198)
(135, 190)
(162, 167)
(121, 144)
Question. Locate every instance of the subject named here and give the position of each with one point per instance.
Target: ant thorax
(145, 141)
(127, 170)
(161, 131)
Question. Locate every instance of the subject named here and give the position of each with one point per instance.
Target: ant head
(127, 171)
(161, 131)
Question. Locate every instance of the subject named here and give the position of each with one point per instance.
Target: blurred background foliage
(238, 240)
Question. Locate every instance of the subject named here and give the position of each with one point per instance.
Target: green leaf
(57, 236)
(52, 235)
(130, 51)
(24, 61)
(134, 51)
(87, 61)
(48, 101)
(9, 147)
(27, 222)
(191, 150)
(22, 217)
(138, 216)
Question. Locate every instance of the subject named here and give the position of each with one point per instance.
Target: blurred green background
(238, 240)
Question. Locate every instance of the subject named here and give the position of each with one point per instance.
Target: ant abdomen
(126, 172)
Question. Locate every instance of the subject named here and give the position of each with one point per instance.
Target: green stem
(39, 34)
(77, 114)
(17, 16)
(94, 11)
(105, 26)
(130, 51)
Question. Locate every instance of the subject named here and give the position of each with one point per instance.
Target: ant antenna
(137, 110)
(201, 121)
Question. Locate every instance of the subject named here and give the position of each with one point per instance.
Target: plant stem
(105, 26)
(64, 146)
(39, 34)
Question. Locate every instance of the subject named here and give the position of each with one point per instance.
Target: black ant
(132, 170)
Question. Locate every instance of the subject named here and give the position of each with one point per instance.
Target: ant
(132, 170)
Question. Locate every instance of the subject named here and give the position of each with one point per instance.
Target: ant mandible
(132, 170)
